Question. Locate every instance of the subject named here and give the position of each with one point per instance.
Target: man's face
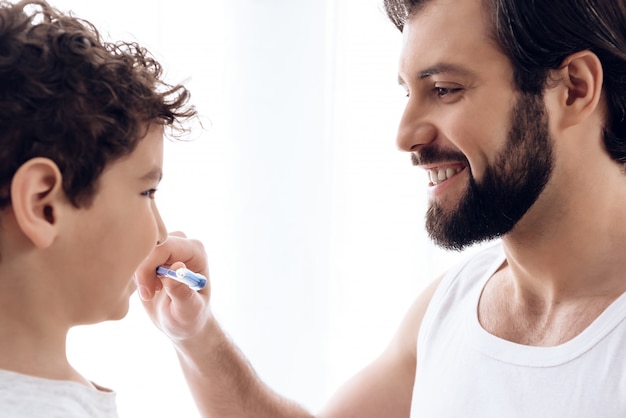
(508, 188)
(485, 147)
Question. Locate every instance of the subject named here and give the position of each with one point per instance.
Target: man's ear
(36, 198)
(581, 77)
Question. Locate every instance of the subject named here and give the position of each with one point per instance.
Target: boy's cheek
(146, 279)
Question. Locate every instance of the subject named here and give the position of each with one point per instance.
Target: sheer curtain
(312, 219)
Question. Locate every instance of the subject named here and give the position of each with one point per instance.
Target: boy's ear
(36, 198)
(581, 75)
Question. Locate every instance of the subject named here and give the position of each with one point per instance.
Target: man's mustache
(433, 154)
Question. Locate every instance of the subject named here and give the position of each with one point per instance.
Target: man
(517, 111)
(81, 155)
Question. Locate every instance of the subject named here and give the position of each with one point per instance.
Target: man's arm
(224, 384)
(384, 388)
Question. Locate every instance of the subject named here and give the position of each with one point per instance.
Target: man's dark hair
(68, 95)
(538, 35)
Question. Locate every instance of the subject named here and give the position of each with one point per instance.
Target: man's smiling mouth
(437, 175)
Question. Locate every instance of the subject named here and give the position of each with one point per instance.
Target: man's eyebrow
(442, 68)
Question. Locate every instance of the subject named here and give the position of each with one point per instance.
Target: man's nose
(415, 128)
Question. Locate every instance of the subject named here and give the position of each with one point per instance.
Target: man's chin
(449, 232)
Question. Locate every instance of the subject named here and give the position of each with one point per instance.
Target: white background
(311, 217)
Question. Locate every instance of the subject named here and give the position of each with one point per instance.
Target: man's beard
(509, 187)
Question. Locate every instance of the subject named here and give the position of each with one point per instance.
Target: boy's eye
(149, 193)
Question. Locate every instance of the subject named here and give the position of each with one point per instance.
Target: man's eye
(445, 91)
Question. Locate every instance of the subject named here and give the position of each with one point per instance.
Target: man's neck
(564, 265)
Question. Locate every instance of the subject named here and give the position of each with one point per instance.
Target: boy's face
(108, 240)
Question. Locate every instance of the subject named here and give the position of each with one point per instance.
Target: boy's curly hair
(67, 95)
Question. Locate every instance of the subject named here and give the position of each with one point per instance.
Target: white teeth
(437, 175)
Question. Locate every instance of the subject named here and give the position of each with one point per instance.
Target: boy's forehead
(146, 159)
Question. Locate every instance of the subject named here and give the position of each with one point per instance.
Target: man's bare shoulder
(405, 340)
(385, 386)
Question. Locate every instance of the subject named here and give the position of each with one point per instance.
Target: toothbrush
(195, 281)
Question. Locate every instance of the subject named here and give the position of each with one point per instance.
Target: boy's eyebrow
(156, 174)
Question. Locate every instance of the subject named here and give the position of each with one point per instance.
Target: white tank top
(465, 372)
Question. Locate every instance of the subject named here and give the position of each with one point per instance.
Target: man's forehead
(451, 38)
(447, 27)
(448, 15)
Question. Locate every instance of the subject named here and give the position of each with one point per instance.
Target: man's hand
(177, 310)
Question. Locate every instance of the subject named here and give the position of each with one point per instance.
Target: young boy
(81, 150)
